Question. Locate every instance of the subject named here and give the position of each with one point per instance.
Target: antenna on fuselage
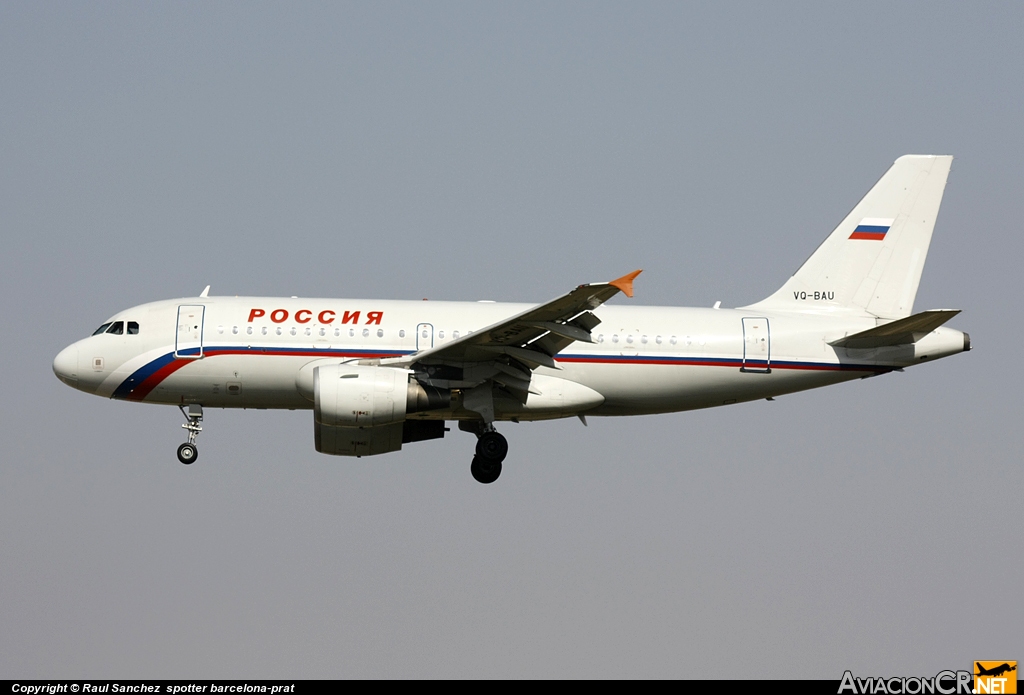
(205, 293)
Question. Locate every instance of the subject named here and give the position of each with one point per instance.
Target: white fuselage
(380, 374)
(248, 352)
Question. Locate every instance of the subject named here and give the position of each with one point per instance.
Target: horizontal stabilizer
(900, 332)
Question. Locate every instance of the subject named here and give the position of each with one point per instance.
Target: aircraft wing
(501, 357)
(899, 332)
(532, 337)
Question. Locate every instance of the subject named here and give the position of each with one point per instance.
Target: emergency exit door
(757, 346)
(188, 341)
(424, 336)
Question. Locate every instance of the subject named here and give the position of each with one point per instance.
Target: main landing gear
(491, 450)
(187, 452)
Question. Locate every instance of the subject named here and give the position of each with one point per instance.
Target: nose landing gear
(491, 450)
(187, 452)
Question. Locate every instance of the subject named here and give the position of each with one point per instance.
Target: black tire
(484, 472)
(188, 453)
(492, 447)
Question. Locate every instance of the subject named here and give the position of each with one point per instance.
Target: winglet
(625, 283)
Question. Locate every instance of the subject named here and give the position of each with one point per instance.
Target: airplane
(379, 374)
(995, 671)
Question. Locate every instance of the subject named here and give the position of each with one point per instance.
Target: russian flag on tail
(872, 228)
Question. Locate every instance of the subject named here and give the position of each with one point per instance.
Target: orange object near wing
(625, 283)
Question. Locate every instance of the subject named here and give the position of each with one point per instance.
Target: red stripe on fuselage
(730, 363)
(154, 379)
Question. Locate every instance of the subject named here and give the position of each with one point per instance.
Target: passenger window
(101, 329)
(116, 328)
(133, 328)
(366, 332)
(455, 335)
(234, 330)
(380, 332)
(248, 330)
(263, 330)
(401, 333)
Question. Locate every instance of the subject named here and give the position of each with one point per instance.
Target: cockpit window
(133, 328)
(101, 329)
(116, 328)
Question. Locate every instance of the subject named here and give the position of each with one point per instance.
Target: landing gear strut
(187, 452)
(491, 450)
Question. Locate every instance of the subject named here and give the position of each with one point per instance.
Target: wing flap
(566, 330)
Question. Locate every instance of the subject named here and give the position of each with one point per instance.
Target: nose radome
(65, 365)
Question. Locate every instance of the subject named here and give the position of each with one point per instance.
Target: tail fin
(871, 264)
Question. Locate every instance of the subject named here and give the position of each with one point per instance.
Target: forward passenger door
(188, 342)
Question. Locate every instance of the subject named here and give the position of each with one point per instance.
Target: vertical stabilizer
(871, 264)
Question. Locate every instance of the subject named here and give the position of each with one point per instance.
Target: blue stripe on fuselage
(140, 375)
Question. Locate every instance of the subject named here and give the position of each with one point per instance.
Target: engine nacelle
(360, 410)
(352, 395)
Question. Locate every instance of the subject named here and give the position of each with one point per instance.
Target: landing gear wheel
(485, 472)
(492, 447)
(187, 453)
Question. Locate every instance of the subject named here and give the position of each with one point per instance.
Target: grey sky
(509, 152)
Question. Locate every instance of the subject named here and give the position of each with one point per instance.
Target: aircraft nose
(65, 365)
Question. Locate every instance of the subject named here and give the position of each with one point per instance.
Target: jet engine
(361, 410)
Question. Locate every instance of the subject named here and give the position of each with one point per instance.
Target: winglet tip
(625, 283)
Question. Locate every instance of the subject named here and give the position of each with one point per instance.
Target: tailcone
(942, 342)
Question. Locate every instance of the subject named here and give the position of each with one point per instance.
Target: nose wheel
(188, 452)
(491, 450)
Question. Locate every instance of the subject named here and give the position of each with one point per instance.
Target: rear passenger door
(757, 346)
